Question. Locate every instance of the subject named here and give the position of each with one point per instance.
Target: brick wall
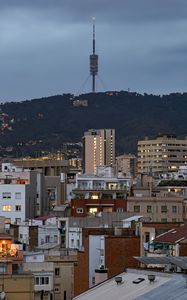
(119, 251)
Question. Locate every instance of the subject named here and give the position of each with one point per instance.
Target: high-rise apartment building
(98, 149)
(126, 164)
(163, 154)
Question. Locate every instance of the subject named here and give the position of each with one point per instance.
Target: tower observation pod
(93, 61)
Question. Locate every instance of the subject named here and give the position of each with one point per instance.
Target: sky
(45, 46)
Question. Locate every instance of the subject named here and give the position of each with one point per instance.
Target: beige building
(16, 287)
(126, 164)
(98, 149)
(158, 207)
(163, 154)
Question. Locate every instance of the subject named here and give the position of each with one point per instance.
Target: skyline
(45, 47)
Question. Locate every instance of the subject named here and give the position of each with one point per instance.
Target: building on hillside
(127, 164)
(104, 192)
(161, 155)
(98, 149)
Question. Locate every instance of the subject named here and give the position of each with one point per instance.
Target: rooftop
(165, 286)
(173, 236)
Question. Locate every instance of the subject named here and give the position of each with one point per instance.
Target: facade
(163, 154)
(18, 195)
(156, 205)
(48, 167)
(102, 193)
(98, 149)
(126, 164)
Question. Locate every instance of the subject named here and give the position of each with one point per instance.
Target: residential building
(98, 149)
(48, 167)
(104, 192)
(127, 164)
(163, 154)
(157, 205)
(18, 194)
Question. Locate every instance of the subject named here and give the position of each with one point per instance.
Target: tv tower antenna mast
(93, 60)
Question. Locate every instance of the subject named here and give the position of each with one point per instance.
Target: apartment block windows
(137, 208)
(6, 195)
(18, 207)
(57, 271)
(17, 196)
(149, 208)
(43, 280)
(174, 209)
(80, 210)
(163, 209)
(7, 208)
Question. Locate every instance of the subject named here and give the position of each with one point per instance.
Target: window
(57, 271)
(137, 208)
(37, 280)
(147, 237)
(149, 208)
(174, 209)
(119, 209)
(164, 220)
(44, 280)
(17, 220)
(163, 208)
(57, 289)
(17, 196)
(6, 195)
(47, 239)
(18, 207)
(7, 207)
(80, 210)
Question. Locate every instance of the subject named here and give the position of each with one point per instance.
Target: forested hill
(49, 122)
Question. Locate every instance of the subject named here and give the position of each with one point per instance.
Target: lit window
(93, 210)
(94, 197)
(7, 207)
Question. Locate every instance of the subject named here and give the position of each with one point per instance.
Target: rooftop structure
(165, 286)
(93, 61)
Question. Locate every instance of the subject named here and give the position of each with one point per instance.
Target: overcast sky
(45, 46)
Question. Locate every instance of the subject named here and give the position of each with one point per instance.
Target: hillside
(45, 124)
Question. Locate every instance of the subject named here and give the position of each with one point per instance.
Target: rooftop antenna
(93, 60)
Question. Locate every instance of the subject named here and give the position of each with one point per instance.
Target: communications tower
(93, 61)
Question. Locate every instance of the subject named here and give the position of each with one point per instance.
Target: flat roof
(165, 286)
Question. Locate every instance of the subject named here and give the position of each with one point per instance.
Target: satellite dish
(2, 295)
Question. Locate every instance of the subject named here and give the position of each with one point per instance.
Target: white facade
(13, 202)
(48, 233)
